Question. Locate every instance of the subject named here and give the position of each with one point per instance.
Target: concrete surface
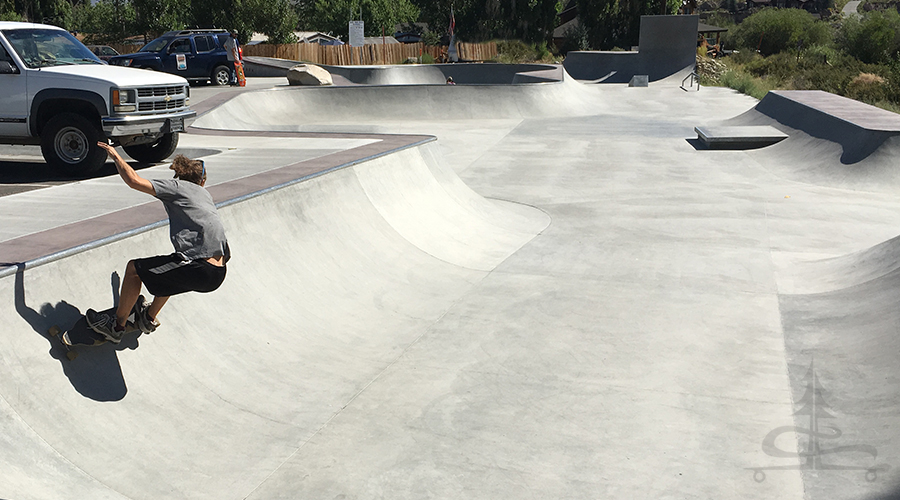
(561, 297)
(851, 8)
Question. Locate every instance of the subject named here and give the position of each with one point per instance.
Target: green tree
(617, 23)
(105, 21)
(529, 20)
(276, 19)
(332, 16)
(776, 30)
(873, 38)
(154, 17)
(8, 11)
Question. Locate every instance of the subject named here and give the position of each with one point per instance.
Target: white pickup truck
(55, 92)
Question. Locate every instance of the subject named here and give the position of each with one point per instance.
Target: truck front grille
(161, 105)
(160, 91)
(163, 99)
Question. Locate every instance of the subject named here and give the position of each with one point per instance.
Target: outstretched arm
(131, 178)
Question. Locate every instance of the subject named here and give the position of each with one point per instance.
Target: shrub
(511, 51)
(427, 59)
(745, 83)
(777, 30)
(744, 56)
(867, 87)
(779, 67)
(872, 38)
(516, 51)
(820, 54)
(576, 38)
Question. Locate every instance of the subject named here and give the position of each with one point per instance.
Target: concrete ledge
(750, 137)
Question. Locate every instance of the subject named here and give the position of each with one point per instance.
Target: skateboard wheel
(71, 355)
(54, 330)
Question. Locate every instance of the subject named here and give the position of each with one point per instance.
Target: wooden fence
(343, 55)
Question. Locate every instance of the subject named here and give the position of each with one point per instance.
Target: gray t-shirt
(194, 224)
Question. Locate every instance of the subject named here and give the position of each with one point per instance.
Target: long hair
(189, 170)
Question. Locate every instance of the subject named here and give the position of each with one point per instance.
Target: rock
(309, 74)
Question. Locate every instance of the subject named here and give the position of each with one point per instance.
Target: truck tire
(69, 144)
(221, 75)
(154, 152)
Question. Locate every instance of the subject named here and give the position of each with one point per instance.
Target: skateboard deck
(82, 334)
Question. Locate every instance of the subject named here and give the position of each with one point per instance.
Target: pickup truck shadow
(29, 167)
(31, 171)
(96, 373)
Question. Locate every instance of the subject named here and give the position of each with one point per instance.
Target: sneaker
(140, 305)
(142, 318)
(105, 325)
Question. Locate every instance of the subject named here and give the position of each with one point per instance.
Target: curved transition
(833, 140)
(417, 74)
(332, 280)
(305, 108)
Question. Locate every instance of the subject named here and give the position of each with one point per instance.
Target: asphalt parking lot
(22, 168)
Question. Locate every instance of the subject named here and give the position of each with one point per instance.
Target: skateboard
(82, 334)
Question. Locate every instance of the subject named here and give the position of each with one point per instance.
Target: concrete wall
(668, 46)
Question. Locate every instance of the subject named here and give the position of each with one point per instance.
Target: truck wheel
(155, 151)
(221, 75)
(69, 144)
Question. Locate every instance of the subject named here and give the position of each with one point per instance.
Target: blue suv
(197, 55)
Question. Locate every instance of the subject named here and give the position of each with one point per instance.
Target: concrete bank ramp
(833, 141)
(332, 280)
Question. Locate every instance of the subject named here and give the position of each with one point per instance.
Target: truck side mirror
(7, 69)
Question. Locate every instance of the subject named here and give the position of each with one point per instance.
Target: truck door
(179, 59)
(13, 98)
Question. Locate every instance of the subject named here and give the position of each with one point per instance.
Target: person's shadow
(96, 372)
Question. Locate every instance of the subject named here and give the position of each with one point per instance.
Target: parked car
(56, 93)
(104, 52)
(197, 55)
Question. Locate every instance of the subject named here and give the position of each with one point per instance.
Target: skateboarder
(196, 231)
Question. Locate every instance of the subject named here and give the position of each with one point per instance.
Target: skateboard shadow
(96, 373)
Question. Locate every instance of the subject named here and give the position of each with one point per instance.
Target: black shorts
(167, 275)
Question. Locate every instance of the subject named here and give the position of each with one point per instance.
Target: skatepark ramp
(832, 140)
(667, 48)
(417, 74)
(307, 108)
(333, 279)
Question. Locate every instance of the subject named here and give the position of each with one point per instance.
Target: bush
(867, 87)
(779, 67)
(431, 38)
(777, 30)
(576, 38)
(745, 83)
(516, 51)
(427, 59)
(872, 38)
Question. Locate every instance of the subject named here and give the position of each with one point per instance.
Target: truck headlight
(124, 101)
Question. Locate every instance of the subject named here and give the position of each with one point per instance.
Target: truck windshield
(39, 48)
(155, 46)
